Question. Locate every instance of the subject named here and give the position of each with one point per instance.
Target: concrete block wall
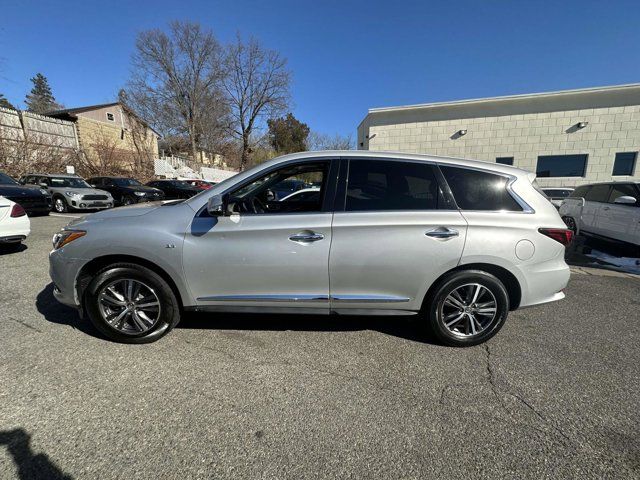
(523, 137)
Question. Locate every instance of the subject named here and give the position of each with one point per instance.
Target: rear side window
(598, 193)
(391, 185)
(476, 190)
(580, 191)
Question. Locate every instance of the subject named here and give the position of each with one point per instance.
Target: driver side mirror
(217, 205)
(625, 200)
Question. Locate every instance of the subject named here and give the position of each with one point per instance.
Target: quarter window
(477, 190)
(598, 193)
(391, 185)
(561, 165)
(624, 163)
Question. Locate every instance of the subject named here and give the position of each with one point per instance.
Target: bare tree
(322, 141)
(175, 83)
(257, 84)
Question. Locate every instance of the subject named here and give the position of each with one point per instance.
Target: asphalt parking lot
(555, 394)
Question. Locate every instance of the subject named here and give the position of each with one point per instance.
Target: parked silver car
(70, 192)
(458, 242)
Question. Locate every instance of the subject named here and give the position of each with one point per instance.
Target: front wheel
(129, 303)
(128, 201)
(468, 308)
(60, 205)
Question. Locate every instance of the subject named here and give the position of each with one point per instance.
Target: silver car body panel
(379, 262)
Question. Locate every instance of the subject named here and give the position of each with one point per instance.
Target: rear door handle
(442, 232)
(306, 237)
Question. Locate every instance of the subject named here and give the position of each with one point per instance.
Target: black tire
(128, 200)
(435, 307)
(59, 204)
(571, 224)
(169, 314)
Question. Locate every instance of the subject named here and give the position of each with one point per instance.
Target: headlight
(43, 191)
(65, 237)
(140, 194)
(71, 194)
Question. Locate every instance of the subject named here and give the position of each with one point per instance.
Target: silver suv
(69, 192)
(459, 243)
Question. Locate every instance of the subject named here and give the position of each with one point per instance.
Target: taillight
(17, 211)
(561, 235)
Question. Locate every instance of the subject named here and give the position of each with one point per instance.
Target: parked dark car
(34, 200)
(126, 191)
(175, 189)
(287, 187)
(201, 184)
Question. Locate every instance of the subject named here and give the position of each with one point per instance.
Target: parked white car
(609, 210)
(14, 223)
(557, 194)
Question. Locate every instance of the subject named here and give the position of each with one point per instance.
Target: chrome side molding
(305, 298)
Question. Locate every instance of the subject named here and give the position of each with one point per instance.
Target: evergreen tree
(40, 99)
(288, 134)
(5, 103)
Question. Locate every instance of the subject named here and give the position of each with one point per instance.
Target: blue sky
(346, 56)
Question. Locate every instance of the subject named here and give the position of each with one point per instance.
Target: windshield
(7, 180)
(72, 182)
(126, 182)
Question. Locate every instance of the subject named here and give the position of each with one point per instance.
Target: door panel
(385, 260)
(250, 259)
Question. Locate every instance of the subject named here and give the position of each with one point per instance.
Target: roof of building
(577, 99)
(71, 111)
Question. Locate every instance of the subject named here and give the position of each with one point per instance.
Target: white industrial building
(568, 137)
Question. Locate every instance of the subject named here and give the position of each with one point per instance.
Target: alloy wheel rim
(129, 306)
(468, 310)
(59, 205)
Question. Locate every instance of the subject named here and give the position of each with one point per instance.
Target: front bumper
(63, 272)
(91, 204)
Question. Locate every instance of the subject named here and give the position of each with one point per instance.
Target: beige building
(111, 128)
(568, 137)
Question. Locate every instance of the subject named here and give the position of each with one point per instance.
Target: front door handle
(606, 208)
(442, 232)
(306, 237)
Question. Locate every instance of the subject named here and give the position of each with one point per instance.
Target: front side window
(580, 191)
(391, 185)
(272, 193)
(477, 190)
(561, 165)
(557, 193)
(598, 193)
(624, 163)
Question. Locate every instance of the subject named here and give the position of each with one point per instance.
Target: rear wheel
(571, 224)
(131, 304)
(467, 308)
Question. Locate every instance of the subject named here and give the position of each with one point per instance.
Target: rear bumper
(544, 282)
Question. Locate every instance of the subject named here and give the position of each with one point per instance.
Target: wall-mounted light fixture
(371, 136)
(462, 132)
(580, 125)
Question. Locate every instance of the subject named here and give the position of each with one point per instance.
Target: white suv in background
(609, 210)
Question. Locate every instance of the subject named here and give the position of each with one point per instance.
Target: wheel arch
(91, 268)
(509, 280)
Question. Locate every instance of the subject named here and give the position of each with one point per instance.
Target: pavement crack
(25, 324)
(498, 393)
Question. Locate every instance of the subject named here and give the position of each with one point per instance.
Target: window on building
(476, 190)
(598, 193)
(110, 117)
(561, 165)
(391, 185)
(624, 163)
(505, 160)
